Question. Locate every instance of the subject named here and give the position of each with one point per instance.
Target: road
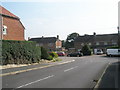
(78, 74)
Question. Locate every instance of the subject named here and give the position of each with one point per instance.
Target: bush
(53, 54)
(20, 52)
(44, 53)
(50, 57)
(86, 50)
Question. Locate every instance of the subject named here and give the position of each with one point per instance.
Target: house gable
(15, 29)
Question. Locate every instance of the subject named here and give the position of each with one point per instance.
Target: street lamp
(118, 36)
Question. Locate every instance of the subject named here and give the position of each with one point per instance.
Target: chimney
(94, 34)
(57, 36)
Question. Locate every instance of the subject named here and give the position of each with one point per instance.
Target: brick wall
(58, 44)
(15, 30)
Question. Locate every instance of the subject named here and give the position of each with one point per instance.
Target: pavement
(110, 78)
(71, 72)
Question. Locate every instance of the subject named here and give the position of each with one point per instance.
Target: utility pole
(118, 36)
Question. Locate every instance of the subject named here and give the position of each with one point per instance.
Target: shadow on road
(111, 77)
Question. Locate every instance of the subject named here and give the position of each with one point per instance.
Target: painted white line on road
(67, 62)
(70, 69)
(35, 81)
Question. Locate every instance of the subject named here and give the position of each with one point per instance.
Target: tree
(70, 40)
(63, 43)
(86, 50)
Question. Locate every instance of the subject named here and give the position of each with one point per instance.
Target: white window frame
(4, 30)
(97, 43)
(90, 44)
(114, 43)
(105, 43)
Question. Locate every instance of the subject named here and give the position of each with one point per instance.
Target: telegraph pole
(118, 36)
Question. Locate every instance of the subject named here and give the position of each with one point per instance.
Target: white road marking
(67, 62)
(70, 69)
(35, 81)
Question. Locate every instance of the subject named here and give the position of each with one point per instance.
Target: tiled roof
(97, 38)
(86, 38)
(107, 37)
(5, 12)
(44, 39)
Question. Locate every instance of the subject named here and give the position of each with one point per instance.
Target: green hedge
(113, 47)
(20, 52)
(44, 53)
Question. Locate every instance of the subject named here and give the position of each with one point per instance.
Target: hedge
(20, 52)
(113, 47)
(44, 53)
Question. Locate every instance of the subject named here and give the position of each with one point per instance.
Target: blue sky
(62, 17)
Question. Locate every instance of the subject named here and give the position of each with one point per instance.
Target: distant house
(12, 28)
(96, 41)
(50, 43)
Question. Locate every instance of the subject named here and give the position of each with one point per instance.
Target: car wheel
(68, 55)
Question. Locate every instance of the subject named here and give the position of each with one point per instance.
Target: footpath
(110, 78)
(16, 70)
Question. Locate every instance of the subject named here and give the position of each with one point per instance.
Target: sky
(50, 18)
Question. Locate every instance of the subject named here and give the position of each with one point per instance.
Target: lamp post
(118, 36)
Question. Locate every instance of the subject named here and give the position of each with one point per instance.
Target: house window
(90, 44)
(105, 43)
(97, 43)
(82, 44)
(114, 43)
(50, 44)
(4, 30)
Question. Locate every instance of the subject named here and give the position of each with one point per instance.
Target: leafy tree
(70, 40)
(63, 43)
(86, 50)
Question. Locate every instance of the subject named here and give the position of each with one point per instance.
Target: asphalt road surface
(78, 74)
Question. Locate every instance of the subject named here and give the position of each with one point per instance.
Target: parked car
(98, 51)
(75, 54)
(60, 53)
(113, 52)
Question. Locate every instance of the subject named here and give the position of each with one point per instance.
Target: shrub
(44, 53)
(20, 52)
(53, 54)
(50, 57)
(86, 50)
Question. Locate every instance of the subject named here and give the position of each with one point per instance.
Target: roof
(97, 38)
(107, 37)
(5, 12)
(44, 39)
(86, 38)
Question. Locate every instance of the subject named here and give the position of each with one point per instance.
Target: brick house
(96, 41)
(50, 43)
(12, 28)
